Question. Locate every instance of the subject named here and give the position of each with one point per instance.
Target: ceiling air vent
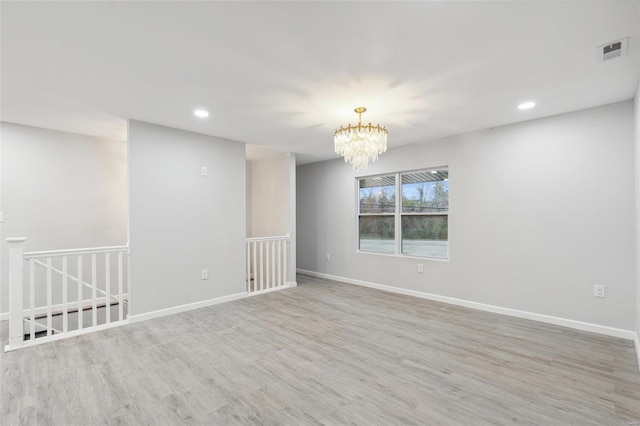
(612, 50)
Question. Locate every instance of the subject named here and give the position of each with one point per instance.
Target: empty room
(320, 213)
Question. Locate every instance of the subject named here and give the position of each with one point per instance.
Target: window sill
(404, 256)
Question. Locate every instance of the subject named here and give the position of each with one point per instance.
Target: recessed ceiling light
(434, 171)
(526, 105)
(201, 113)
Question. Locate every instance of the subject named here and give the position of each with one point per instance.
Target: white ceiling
(286, 74)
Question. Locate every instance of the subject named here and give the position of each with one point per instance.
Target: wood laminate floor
(325, 353)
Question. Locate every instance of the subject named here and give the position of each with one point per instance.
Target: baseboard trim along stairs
(4, 316)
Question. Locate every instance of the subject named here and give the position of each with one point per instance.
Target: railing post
(16, 254)
(287, 250)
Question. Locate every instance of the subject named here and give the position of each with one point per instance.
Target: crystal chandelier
(360, 144)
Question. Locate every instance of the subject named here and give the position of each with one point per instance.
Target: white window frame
(398, 214)
(359, 215)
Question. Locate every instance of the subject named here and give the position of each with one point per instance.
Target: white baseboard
(4, 316)
(56, 337)
(578, 325)
(42, 310)
(186, 307)
(287, 285)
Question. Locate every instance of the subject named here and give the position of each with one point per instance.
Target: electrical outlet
(203, 171)
(205, 274)
(327, 257)
(599, 291)
(420, 268)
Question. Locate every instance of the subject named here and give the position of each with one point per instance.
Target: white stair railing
(50, 295)
(267, 264)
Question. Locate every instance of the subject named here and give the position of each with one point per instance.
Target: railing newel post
(16, 276)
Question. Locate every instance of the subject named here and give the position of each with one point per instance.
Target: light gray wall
(540, 211)
(636, 143)
(248, 198)
(291, 277)
(182, 222)
(60, 190)
(271, 201)
(270, 196)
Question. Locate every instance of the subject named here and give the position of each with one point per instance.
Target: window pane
(425, 235)
(425, 192)
(378, 194)
(377, 234)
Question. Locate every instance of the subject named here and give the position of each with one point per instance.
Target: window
(425, 213)
(377, 211)
(410, 219)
